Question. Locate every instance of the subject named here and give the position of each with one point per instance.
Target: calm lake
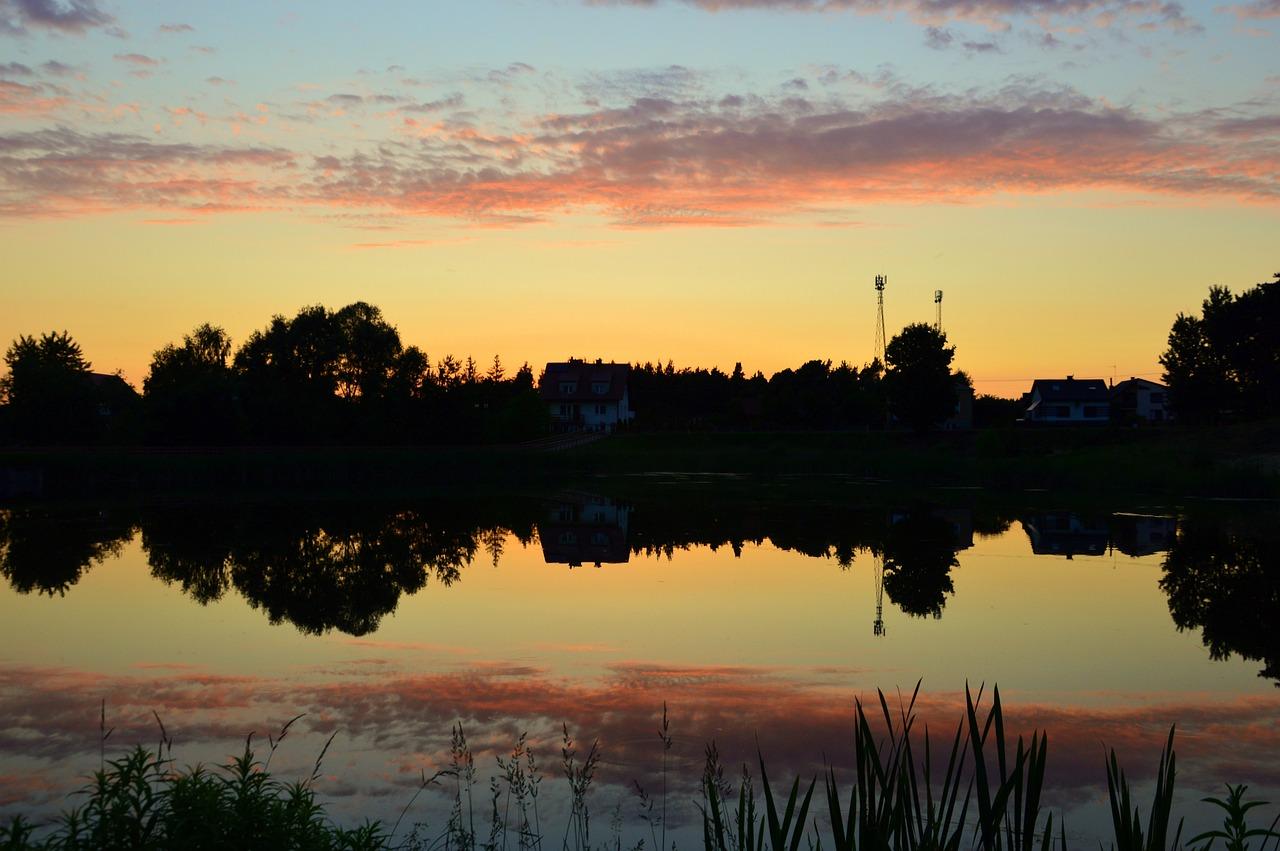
(753, 615)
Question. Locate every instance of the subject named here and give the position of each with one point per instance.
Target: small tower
(877, 626)
(937, 300)
(881, 339)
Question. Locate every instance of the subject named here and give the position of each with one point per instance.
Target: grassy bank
(1239, 461)
(1242, 461)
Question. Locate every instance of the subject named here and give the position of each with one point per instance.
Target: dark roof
(1135, 383)
(1071, 389)
(584, 376)
(109, 382)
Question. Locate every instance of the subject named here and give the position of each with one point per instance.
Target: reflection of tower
(937, 299)
(877, 626)
(881, 280)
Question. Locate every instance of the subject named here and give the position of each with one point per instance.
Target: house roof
(109, 382)
(1070, 389)
(1136, 384)
(577, 381)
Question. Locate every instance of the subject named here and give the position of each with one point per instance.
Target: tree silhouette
(48, 390)
(1227, 360)
(919, 553)
(48, 551)
(919, 385)
(191, 393)
(1227, 585)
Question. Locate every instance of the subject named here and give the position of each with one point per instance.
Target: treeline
(915, 388)
(323, 376)
(344, 376)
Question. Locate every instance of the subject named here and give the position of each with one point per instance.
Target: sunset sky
(707, 181)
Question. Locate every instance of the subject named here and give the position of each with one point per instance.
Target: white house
(1069, 401)
(1140, 400)
(582, 396)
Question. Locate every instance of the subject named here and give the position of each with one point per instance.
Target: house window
(602, 409)
(568, 388)
(564, 410)
(599, 539)
(568, 538)
(600, 387)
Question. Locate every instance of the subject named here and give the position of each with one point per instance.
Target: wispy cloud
(726, 161)
(17, 17)
(998, 14)
(1256, 10)
(136, 59)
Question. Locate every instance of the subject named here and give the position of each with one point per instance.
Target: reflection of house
(584, 396)
(1142, 534)
(1069, 400)
(1140, 400)
(585, 529)
(1063, 533)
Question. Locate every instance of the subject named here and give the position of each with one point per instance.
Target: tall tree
(919, 385)
(49, 392)
(190, 391)
(1227, 360)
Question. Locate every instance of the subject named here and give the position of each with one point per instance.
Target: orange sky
(702, 182)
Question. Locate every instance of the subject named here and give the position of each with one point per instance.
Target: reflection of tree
(49, 551)
(1228, 586)
(319, 569)
(919, 552)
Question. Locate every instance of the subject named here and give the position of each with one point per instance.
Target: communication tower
(937, 300)
(881, 340)
(877, 626)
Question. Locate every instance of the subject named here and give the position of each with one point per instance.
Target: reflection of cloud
(52, 714)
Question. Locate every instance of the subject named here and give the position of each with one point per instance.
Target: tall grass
(975, 788)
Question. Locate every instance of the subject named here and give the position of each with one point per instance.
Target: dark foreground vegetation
(908, 792)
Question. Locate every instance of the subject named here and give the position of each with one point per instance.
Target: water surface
(390, 621)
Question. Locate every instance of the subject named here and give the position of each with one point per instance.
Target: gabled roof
(584, 378)
(1137, 384)
(1071, 389)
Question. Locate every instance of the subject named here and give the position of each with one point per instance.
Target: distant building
(1068, 401)
(1140, 400)
(114, 395)
(583, 396)
(962, 418)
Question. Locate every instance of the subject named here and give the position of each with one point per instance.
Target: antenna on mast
(881, 340)
(877, 626)
(937, 299)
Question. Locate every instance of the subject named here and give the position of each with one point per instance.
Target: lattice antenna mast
(877, 626)
(881, 340)
(937, 300)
